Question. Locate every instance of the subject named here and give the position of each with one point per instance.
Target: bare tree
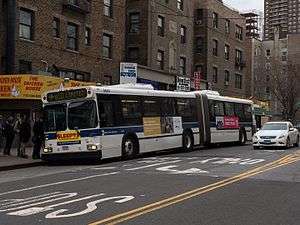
(284, 88)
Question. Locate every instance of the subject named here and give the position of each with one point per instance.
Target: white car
(276, 134)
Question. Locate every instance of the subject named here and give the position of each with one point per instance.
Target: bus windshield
(55, 117)
(82, 115)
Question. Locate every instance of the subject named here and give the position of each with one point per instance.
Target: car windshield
(82, 115)
(275, 126)
(55, 117)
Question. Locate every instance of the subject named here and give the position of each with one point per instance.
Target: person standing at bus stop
(17, 127)
(2, 125)
(38, 137)
(25, 133)
(9, 135)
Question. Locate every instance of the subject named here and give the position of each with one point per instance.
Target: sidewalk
(13, 162)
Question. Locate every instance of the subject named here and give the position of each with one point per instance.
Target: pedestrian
(38, 137)
(9, 135)
(25, 133)
(17, 126)
(2, 125)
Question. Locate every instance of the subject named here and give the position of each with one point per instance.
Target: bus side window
(239, 112)
(229, 109)
(131, 110)
(248, 113)
(151, 107)
(212, 111)
(185, 110)
(106, 111)
(219, 108)
(168, 107)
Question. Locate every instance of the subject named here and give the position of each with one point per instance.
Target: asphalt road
(230, 185)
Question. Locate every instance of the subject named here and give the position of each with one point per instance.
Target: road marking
(196, 192)
(57, 183)
(104, 168)
(218, 160)
(170, 169)
(152, 165)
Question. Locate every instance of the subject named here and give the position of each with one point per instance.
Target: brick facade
(204, 28)
(88, 59)
(149, 42)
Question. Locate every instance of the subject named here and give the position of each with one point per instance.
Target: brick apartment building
(79, 39)
(160, 39)
(219, 49)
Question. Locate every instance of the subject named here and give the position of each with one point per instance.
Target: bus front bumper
(71, 156)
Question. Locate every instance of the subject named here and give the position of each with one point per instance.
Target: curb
(21, 166)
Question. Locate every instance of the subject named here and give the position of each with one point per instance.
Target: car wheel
(129, 148)
(297, 143)
(187, 141)
(288, 143)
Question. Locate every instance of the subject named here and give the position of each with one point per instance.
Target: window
(229, 109)
(215, 20)
(151, 106)
(183, 34)
(25, 67)
(248, 113)
(180, 4)
(161, 26)
(238, 57)
(160, 59)
(134, 22)
(219, 108)
(56, 28)
(55, 118)
(227, 52)
(107, 46)
(199, 68)
(226, 78)
(227, 26)
(199, 16)
(133, 54)
(131, 110)
(106, 110)
(215, 75)
(239, 111)
(186, 109)
(72, 36)
(26, 28)
(239, 32)
(268, 52)
(238, 81)
(168, 107)
(87, 39)
(82, 115)
(199, 45)
(215, 47)
(108, 8)
(182, 66)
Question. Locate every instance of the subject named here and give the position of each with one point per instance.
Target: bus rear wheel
(187, 141)
(129, 147)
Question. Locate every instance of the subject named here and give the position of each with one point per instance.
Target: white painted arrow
(170, 170)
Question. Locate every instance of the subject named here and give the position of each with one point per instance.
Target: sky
(243, 5)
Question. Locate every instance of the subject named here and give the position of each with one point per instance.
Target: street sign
(197, 80)
(183, 84)
(128, 73)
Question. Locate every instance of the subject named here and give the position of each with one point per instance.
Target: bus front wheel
(129, 147)
(188, 141)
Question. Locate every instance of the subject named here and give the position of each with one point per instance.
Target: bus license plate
(65, 148)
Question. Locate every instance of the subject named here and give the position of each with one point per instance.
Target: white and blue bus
(126, 120)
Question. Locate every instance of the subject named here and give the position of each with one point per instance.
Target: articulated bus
(126, 120)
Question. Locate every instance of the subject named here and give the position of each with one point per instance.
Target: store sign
(32, 86)
(197, 81)
(128, 73)
(183, 84)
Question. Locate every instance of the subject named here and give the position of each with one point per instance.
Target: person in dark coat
(38, 137)
(25, 134)
(9, 134)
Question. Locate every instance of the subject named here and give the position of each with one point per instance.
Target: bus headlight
(48, 150)
(91, 147)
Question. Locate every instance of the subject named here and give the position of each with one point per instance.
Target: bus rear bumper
(71, 156)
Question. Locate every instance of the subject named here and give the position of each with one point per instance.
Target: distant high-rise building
(283, 14)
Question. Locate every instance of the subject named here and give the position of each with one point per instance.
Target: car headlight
(92, 147)
(48, 150)
(281, 136)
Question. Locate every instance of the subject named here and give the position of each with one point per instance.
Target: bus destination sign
(67, 95)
